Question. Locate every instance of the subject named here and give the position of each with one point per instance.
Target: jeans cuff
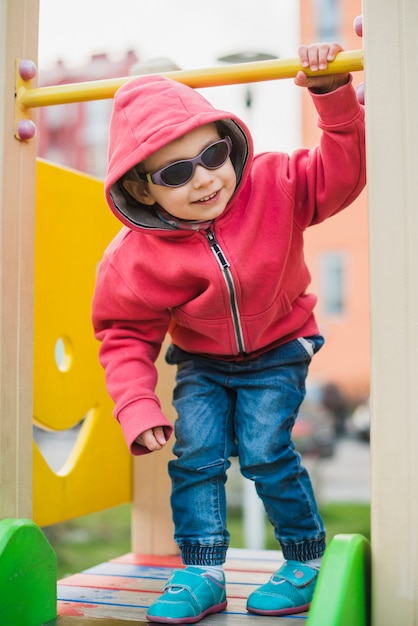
(306, 551)
(195, 554)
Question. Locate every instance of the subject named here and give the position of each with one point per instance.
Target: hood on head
(148, 113)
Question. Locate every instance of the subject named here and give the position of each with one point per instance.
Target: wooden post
(391, 55)
(152, 527)
(18, 39)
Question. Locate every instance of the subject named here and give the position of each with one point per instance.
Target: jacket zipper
(226, 272)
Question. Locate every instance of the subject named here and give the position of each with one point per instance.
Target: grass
(93, 539)
(338, 518)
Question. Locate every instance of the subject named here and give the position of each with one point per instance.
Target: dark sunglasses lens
(181, 172)
(177, 174)
(215, 155)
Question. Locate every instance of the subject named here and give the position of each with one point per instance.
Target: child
(212, 253)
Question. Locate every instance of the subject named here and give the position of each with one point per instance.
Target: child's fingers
(301, 80)
(316, 56)
(153, 439)
(319, 56)
(303, 56)
(334, 49)
(159, 435)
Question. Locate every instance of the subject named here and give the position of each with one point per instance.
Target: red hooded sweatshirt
(236, 290)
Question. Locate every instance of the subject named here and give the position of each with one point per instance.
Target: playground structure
(392, 133)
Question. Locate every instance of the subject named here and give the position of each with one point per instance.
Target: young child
(212, 253)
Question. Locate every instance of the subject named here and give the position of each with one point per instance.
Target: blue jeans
(245, 409)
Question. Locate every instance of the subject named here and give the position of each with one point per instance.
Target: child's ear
(138, 190)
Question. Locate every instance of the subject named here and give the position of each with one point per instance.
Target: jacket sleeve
(131, 333)
(328, 178)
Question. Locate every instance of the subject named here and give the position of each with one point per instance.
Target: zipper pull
(210, 235)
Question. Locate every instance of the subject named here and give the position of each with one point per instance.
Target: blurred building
(75, 135)
(337, 250)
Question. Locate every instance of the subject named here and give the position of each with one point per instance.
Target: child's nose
(202, 176)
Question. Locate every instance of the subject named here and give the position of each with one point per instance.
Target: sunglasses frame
(156, 177)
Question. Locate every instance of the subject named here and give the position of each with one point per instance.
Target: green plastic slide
(28, 575)
(342, 594)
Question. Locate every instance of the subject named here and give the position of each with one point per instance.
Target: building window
(333, 282)
(327, 14)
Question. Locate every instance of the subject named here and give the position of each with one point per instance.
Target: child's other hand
(153, 439)
(316, 57)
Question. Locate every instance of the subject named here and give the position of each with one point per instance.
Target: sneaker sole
(217, 608)
(288, 611)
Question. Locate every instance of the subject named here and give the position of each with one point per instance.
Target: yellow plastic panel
(73, 226)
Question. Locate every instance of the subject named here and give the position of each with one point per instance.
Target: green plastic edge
(342, 594)
(28, 575)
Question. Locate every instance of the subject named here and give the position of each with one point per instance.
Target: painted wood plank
(80, 609)
(148, 559)
(124, 587)
(109, 582)
(234, 616)
(137, 597)
(110, 597)
(129, 562)
(107, 587)
(135, 583)
(81, 601)
(140, 599)
(141, 572)
(122, 569)
(66, 620)
(236, 557)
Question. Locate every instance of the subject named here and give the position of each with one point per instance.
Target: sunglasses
(180, 172)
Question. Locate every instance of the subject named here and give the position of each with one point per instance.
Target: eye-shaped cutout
(63, 354)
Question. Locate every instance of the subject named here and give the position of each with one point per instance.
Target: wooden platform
(122, 589)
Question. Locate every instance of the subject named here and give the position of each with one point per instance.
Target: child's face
(206, 194)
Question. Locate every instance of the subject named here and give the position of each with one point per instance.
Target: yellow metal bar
(346, 61)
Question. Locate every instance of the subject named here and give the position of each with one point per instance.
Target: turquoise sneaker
(289, 590)
(189, 595)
